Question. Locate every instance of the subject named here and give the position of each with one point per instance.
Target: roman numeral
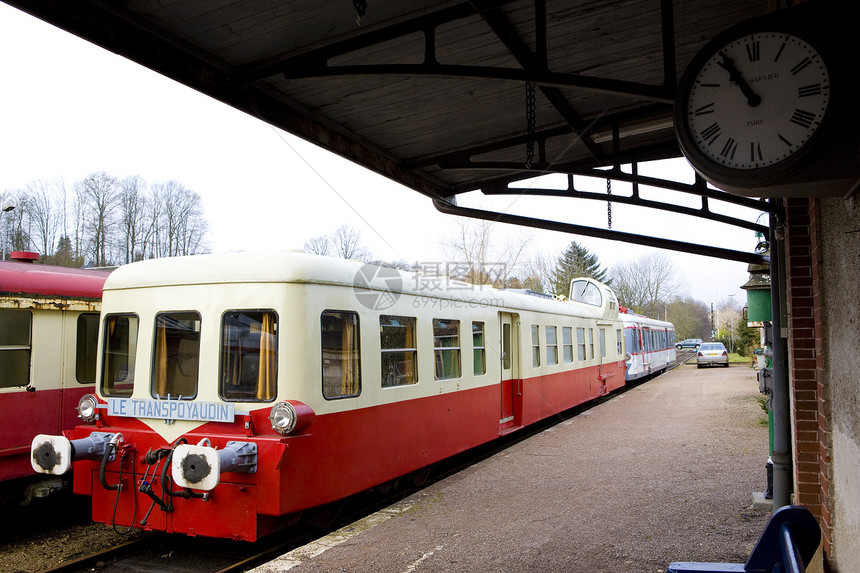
(705, 109)
(753, 51)
(810, 90)
(801, 66)
(802, 118)
(711, 133)
(779, 53)
(755, 151)
(784, 140)
(729, 148)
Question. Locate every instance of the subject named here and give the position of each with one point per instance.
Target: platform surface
(661, 473)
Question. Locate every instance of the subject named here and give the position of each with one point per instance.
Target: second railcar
(649, 342)
(49, 319)
(236, 391)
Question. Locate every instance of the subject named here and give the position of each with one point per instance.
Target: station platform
(662, 472)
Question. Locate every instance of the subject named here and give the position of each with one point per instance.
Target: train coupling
(54, 454)
(200, 467)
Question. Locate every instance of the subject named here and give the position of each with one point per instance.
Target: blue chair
(787, 544)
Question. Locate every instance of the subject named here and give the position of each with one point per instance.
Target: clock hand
(735, 76)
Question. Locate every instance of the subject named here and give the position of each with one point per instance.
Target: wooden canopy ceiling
(444, 97)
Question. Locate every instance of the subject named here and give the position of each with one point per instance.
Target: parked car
(689, 343)
(712, 353)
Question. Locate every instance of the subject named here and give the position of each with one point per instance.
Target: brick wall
(811, 393)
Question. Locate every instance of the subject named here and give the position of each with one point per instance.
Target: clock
(753, 106)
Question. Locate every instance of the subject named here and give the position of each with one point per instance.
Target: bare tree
(647, 284)
(347, 244)
(79, 223)
(17, 223)
(320, 245)
(132, 217)
(177, 218)
(100, 192)
(13, 224)
(690, 317)
(106, 221)
(478, 258)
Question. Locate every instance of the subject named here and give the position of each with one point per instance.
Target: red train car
(49, 319)
(237, 391)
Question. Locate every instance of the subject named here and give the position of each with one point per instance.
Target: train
(650, 344)
(237, 392)
(49, 320)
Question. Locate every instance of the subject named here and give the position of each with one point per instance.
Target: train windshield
(587, 292)
(119, 353)
(176, 356)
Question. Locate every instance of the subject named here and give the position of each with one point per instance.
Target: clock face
(756, 101)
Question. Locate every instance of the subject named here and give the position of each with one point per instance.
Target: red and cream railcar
(49, 318)
(236, 391)
(650, 343)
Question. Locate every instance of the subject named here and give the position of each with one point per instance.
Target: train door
(647, 357)
(511, 383)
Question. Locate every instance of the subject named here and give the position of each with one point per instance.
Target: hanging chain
(360, 9)
(609, 203)
(530, 123)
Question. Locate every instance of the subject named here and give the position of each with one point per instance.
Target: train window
(587, 292)
(479, 349)
(580, 343)
(551, 345)
(119, 353)
(249, 355)
(86, 348)
(590, 343)
(15, 347)
(601, 336)
(630, 340)
(446, 348)
(618, 347)
(567, 343)
(399, 351)
(610, 296)
(341, 363)
(176, 355)
(535, 345)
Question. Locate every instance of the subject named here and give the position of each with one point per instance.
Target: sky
(69, 108)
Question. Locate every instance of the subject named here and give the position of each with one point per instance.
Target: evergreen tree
(64, 257)
(576, 261)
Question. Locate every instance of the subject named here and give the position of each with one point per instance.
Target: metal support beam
(668, 244)
(782, 461)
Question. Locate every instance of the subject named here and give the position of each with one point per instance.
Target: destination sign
(171, 410)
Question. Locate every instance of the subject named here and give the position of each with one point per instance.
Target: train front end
(188, 431)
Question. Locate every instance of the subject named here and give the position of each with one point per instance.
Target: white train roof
(632, 318)
(298, 267)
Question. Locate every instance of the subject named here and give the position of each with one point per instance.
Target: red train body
(352, 376)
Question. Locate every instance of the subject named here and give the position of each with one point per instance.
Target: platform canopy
(444, 97)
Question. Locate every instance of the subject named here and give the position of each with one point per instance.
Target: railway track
(682, 356)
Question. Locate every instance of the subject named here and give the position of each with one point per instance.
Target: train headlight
(88, 408)
(283, 417)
